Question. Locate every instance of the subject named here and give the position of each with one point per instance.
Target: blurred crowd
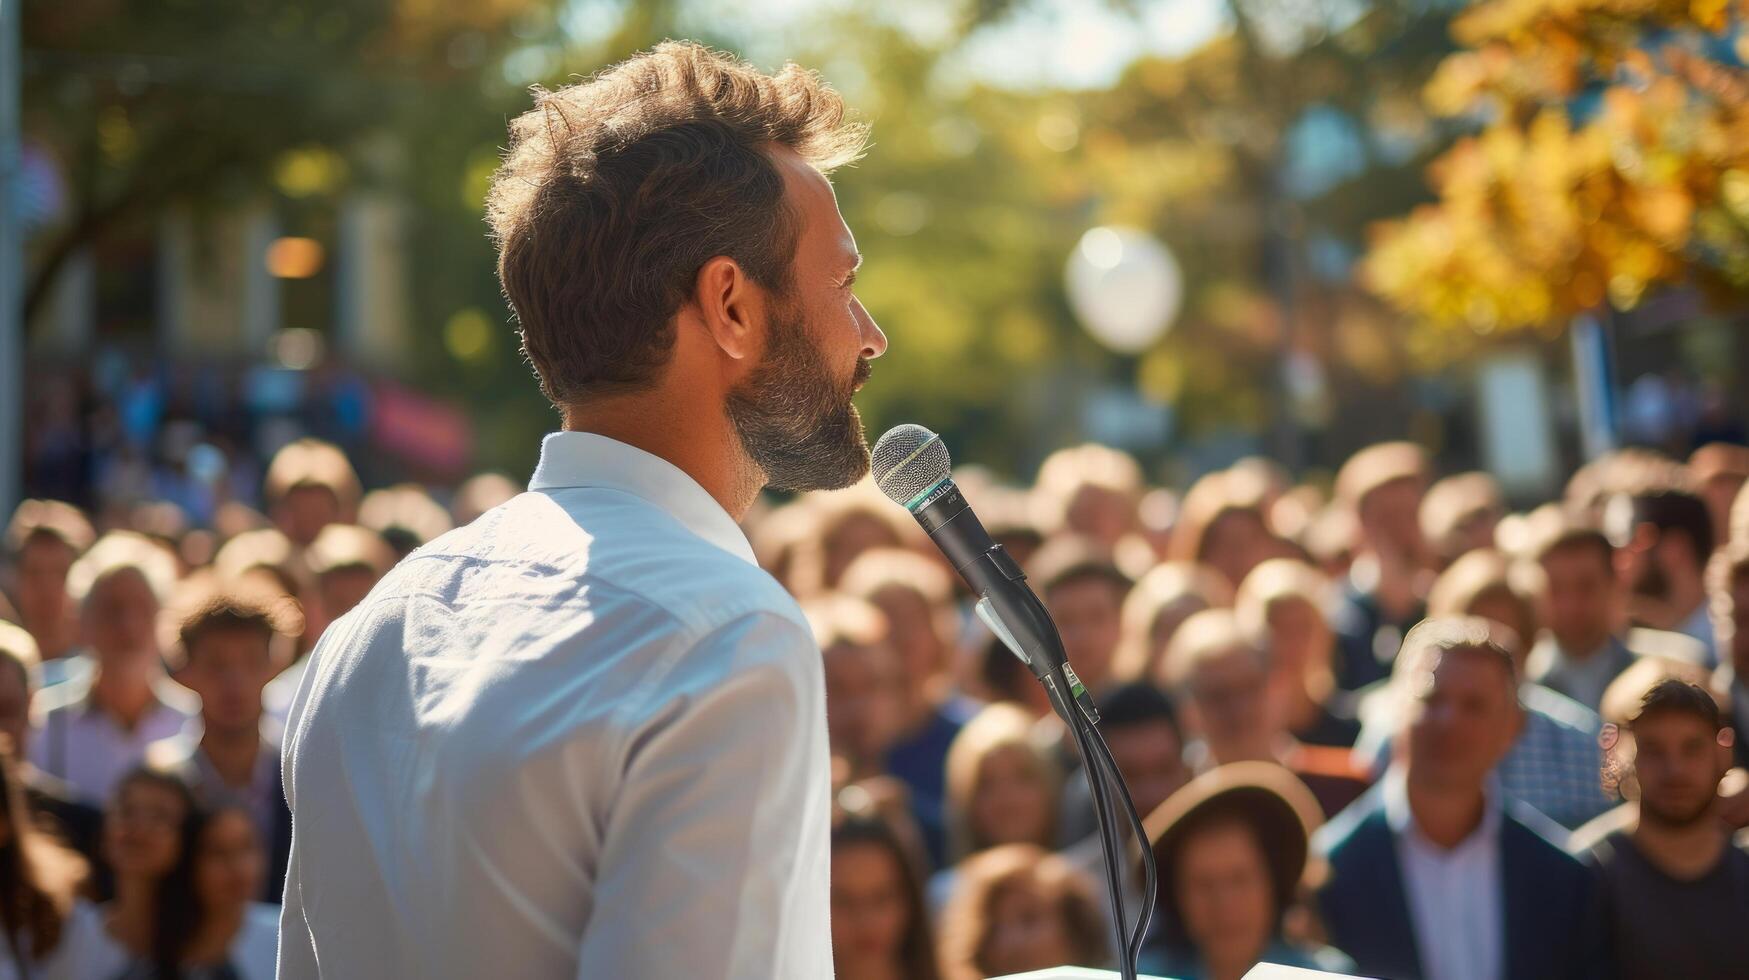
(1386, 726)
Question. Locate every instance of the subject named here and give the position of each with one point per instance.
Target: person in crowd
(1156, 515)
(43, 540)
(846, 523)
(267, 556)
(205, 924)
(404, 516)
(863, 681)
(1675, 888)
(915, 596)
(232, 937)
(1459, 515)
(1329, 539)
(1620, 704)
(1162, 599)
(478, 494)
(148, 830)
(1717, 471)
(1003, 787)
(231, 641)
(95, 727)
(862, 678)
(309, 485)
(264, 553)
(1436, 874)
(1019, 908)
(1282, 604)
(1231, 848)
(47, 931)
(1084, 591)
(1140, 727)
(880, 928)
(1382, 486)
(1222, 526)
(1728, 585)
(347, 560)
(332, 575)
(1664, 537)
(1552, 765)
(51, 803)
(1221, 676)
(1089, 490)
(1583, 610)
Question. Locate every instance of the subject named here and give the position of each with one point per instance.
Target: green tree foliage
(207, 102)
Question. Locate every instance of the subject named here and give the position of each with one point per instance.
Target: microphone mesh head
(910, 460)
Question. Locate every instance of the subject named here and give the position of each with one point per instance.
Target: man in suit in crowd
(1433, 874)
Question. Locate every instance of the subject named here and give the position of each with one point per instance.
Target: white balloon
(1125, 287)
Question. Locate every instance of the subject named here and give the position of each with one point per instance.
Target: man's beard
(1672, 816)
(794, 420)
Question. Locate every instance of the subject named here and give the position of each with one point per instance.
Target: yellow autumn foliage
(1568, 199)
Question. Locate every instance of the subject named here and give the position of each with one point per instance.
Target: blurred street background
(1515, 232)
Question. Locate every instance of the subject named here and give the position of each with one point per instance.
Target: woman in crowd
(1281, 605)
(1163, 598)
(1017, 908)
(147, 830)
(185, 880)
(1222, 525)
(880, 929)
(1231, 847)
(233, 936)
(47, 931)
(1002, 788)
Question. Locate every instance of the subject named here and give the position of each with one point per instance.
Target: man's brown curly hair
(617, 190)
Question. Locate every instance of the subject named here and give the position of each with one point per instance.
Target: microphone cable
(1104, 781)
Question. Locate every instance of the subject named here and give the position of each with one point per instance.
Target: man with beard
(1676, 889)
(585, 735)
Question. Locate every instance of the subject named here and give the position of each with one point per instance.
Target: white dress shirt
(583, 736)
(1456, 903)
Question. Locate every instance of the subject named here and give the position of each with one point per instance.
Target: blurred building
(228, 284)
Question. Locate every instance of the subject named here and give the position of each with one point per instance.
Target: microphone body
(1007, 604)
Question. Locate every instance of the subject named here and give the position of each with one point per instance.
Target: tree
(1614, 158)
(192, 102)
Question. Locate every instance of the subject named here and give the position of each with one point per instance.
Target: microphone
(912, 467)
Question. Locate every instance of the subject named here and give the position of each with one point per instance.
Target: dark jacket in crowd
(1552, 921)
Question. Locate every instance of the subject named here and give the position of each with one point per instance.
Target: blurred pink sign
(423, 431)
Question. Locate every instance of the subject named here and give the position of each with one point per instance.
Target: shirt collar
(1402, 822)
(585, 459)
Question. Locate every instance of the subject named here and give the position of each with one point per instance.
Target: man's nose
(874, 342)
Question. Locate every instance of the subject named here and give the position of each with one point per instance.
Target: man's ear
(730, 307)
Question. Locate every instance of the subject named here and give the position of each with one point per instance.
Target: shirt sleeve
(715, 858)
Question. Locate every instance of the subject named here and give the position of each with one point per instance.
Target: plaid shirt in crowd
(1556, 764)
